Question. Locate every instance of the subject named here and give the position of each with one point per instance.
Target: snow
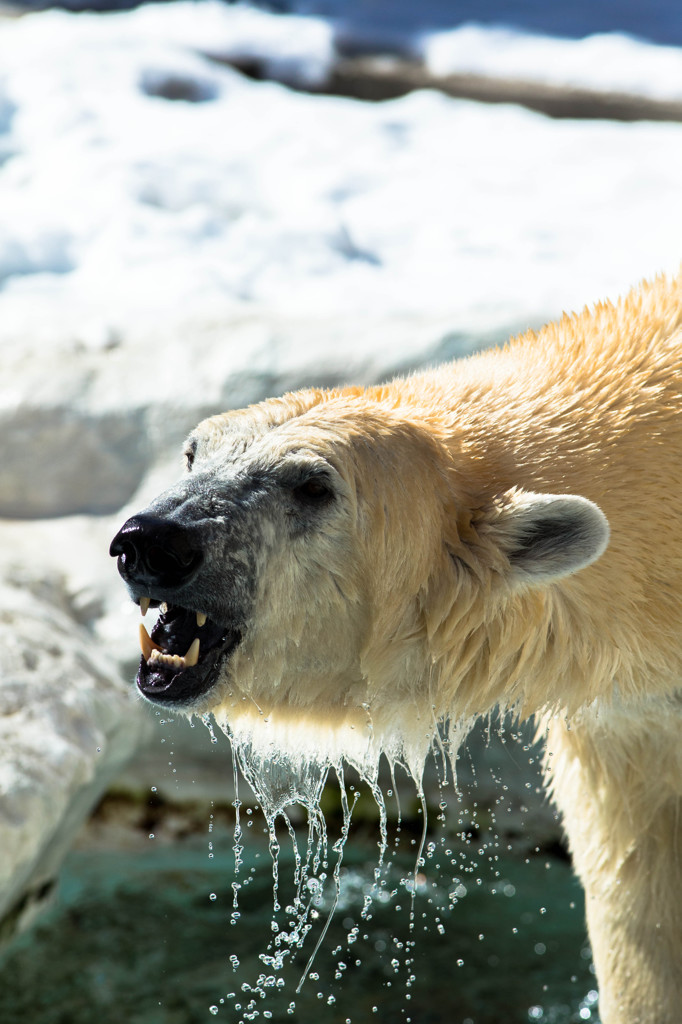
(121, 207)
(604, 62)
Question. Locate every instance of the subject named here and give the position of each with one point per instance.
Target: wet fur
(435, 589)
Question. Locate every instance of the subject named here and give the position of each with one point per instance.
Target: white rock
(81, 426)
(67, 725)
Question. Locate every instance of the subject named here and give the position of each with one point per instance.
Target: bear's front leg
(616, 777)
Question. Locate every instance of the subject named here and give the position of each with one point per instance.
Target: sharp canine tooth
(147, 644)
(192, 656)
(144, 605)
(201, 619)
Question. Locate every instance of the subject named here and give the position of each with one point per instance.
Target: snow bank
(144, 185)
(604, 62)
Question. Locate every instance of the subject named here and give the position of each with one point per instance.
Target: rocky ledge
(67, 725)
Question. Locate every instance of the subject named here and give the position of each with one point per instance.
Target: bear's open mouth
(181, 658)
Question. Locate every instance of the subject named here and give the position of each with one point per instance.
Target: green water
(135, 938)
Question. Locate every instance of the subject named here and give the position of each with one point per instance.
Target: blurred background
(203, 204)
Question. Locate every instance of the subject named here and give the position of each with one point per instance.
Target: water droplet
(213, 896)
(213, 1009)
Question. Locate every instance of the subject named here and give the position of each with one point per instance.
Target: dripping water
(286, 787)
(280, 783)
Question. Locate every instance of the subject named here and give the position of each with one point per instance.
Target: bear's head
(330, 560)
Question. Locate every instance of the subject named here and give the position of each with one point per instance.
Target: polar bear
(359, 565)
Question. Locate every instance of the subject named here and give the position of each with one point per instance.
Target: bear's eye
(316, 490)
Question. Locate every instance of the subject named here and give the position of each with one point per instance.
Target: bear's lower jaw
(170, 682)
(181, 659)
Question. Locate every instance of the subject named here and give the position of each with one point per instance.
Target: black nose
(154, 552)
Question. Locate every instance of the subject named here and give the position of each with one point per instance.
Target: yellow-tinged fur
(406, 609)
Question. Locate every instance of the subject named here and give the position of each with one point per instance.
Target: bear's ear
(547, 536)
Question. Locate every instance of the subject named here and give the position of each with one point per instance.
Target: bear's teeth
(156, 655)
(201, 619)
(192, 656)
(144, 604)
(166, 659)
(147, 644)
